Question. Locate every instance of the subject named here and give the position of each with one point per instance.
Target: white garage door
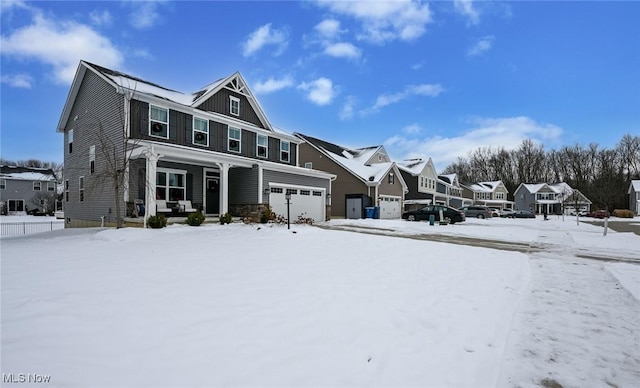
(306, 201)
(389, 207)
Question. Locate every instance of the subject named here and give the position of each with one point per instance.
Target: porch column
(224, 188)
(260, 187)
(150, 197)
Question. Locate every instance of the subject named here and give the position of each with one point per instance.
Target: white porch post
(260, 187)
(224, 188)
(152, 169)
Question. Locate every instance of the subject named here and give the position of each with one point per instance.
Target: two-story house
(214, 147)
(550, 198)
(634, 196)
(365, 177)
(449, 191)
(492, 194)
(27, 188)
(421, 178)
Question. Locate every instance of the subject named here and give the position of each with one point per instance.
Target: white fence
(19, 228)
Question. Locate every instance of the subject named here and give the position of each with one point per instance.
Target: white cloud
(328, 28)
(273, 85)
(506, 132)
(263, 36)
(466, 9)
(320, 91)
(412, 129)
(482, 45)
(145, 14)
(22, 80)
(61, 45)
(100, 18)
(430, 90)
(383, 21)
(346, 112)
(342, 50)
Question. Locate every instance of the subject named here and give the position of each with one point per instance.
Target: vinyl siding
(219, 103)
(23, 189)
(97, 109)
(243, 186)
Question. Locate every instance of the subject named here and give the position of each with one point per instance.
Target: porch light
(328, 196)
(267, 190)
(287, 196)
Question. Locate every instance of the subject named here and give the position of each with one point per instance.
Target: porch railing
(20, 228)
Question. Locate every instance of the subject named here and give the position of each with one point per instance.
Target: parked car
(449, 213)
(496, 211)
(475, 211)
(507, 213)
(600, 214)
(523, 214)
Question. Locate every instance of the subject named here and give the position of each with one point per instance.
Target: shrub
(304, 220)
(195, 219)
(623, 213)
(158, 221)
(226, 218)
(267, 215)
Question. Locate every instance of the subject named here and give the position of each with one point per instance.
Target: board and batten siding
(243, 186)
(97, 113)
(219, 103)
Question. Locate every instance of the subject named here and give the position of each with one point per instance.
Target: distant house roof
(356, 160)
(635, 185)
(27, 173)
(413, 166)
(563, 190)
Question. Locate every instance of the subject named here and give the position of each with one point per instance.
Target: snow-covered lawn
(257, 305)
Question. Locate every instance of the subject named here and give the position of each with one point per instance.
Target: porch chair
(161, 206)
(185, 206)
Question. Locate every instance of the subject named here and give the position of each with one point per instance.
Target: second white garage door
(389, 207)
(309, 200)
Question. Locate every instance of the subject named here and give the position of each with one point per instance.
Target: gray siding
(97, 114)
(219, 103)
(23, 189)
(243, 186)
(524, 200)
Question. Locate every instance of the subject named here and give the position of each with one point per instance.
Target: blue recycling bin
(432, 219)
(376, 212)
(368, 211)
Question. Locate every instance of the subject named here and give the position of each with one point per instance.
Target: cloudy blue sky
(426, 79)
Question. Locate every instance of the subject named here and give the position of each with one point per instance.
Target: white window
(81, 188)
(284, 150)
(36, 186)
(308, 165)
(66, 191)
(70, 140)
(499, 195)
(262, 145)
(3, 184)
(92, 159)
(234, 106)
(158, 122)
(233, 142)
(51, 186)
(171, 185)
(200, 131)
(391, 178)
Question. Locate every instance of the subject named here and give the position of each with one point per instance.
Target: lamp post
(287, 196)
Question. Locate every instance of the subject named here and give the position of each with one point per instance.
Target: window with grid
(233, 142)
(66, 191)
(81, 188)
(234, 106)
(158, 122)
(92, 159)
(51, 186)
(200, 131)
(262, 145)
(3, 184)
(284, 150)
(171, 185)
(36, 185)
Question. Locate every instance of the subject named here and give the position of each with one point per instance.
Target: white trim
(194, 130)
(288, 160)
(290, 186)
(233, 99)
(266, 147)
(239, 140)
(158, 121)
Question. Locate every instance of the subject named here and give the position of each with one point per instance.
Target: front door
(213, 196)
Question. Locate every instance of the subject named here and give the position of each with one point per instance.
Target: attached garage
(390, 207)
(310, 202)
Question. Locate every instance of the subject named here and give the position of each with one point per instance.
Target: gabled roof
(483, 187)
(358, 161)
(635, 185)
(122, 81)
(27, 173)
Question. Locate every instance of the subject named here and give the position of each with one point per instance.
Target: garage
(389, 207)
(306, 201)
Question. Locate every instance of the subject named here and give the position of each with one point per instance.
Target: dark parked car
(449, 213)
(476, 211)
(523, 214)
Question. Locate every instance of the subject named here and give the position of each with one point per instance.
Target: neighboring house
(634, 196)
(214, 147)
(27, 188)
(364, 177)
(450, 191)
(491, 194)
(552, 198)
(421, 178)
